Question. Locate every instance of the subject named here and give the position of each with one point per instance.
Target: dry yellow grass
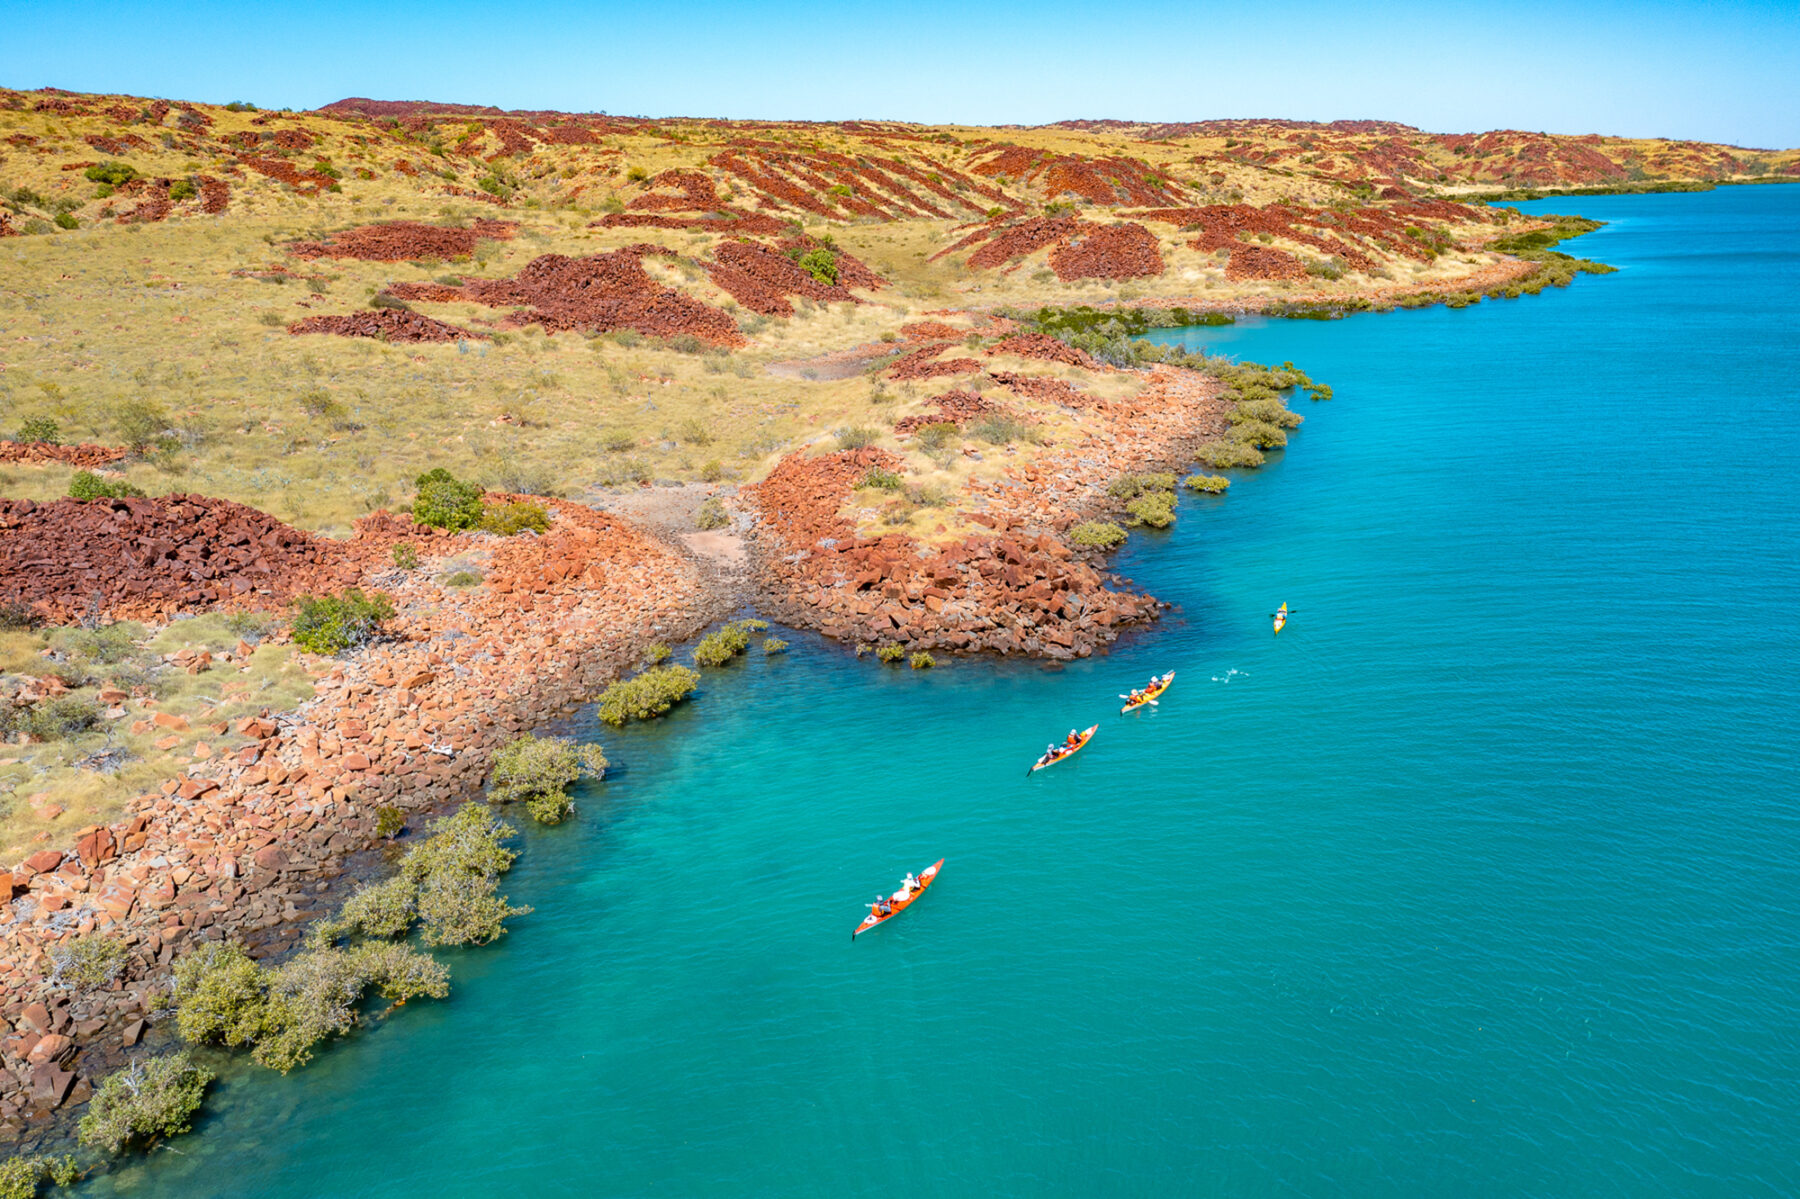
(49, 788)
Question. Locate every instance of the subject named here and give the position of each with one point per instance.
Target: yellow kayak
(1281, 615)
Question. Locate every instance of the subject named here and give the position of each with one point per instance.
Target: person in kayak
(1074, 739)
(909, 884)
(881, 906)
(1050, 753)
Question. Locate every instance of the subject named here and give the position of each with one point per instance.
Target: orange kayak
(926, 876)
(1150, 696)
(1065, 751)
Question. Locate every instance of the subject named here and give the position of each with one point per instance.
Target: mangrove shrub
(649, 694)
(536, 771)
(1096, 535)
(152, 1097)
(1153, 508)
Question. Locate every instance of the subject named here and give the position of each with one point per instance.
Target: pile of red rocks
(1107, 181)
(150, 558)
(602, 293)
(924, 363)
(398, 241)
(1002, 245)
(1013, 592)
(384, 324)
(1262, 262)
(1041, 389)
(762, 277)
(1044, 348)
(1122, 251)
(68, 455)
(957, 407)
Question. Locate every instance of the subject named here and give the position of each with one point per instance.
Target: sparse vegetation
(891, 653)
(39, 429)
(922, 661)
(724, 644)
(1208, 484)
(509, 520)
(87, 962)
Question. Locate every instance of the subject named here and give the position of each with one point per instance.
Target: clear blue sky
(1676, 68)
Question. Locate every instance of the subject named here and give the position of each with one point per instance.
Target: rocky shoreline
(246, 844)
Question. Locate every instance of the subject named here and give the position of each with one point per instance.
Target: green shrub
(1096, 535)
(695, 431)
(923, 661)
(59, 718)
(86, 485)
(712, 514)
(152, 1097)
(1268, 411)
(66, 220)
(1127, 487)
(649, 694)
(20, 1175)
(405, 556)
(856, 437)
(220, 996)
(657, 652)
(881, 478)
(1153, 508)
(446, 502)
(183, 189)
(821, 264)
(40, 429)
(240, 106)
(773, 645)
(142, 425)
(936, 435)
(314, 995)
(508, 520)
(1258, 433)
(1228, 455)
(86, 963)
(113, 174)
(457, 872)
(383, 909)
(390, 821)
(890, 652)
(460, 578)
(618, 442)
(1210, 484)
(724, 644)
(536, 770)
(331, 624)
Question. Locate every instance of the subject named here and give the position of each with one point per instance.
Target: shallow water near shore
(1482, 879)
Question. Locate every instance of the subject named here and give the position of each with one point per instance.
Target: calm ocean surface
(1483, 879)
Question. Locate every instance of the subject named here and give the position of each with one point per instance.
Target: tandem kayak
(1065, 750)
(899, 903)
(1281, 615)
(1150, 695)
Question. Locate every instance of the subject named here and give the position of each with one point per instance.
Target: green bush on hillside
(113, 174)
(821, 264)
(86, 485)
(86, 963)
(331, 624)
(712, 514)
(647, 695)
(507, 520)
(40, 429)
(446, 502)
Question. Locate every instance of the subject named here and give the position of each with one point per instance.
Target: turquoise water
(1480, 880)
